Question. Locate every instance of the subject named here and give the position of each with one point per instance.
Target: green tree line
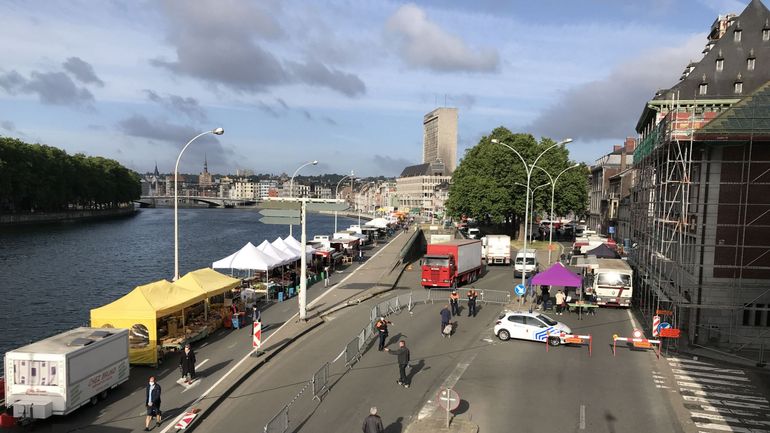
(488, 185)
(40, 178)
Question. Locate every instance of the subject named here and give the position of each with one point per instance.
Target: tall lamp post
(528, 169)
(218, 131)
(336, 196)
(553, 180)
(291, 184)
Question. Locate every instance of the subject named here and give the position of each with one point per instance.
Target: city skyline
(134, 82)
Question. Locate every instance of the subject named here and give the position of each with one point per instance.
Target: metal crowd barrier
(321, 381)
(279, 423)
(495, 297)
(351, 352)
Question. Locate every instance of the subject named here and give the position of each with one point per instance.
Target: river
(52, 275)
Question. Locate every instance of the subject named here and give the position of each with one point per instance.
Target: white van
(526, 263)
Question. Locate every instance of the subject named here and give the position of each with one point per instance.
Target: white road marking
(633, 319)
(450, 382)
(717, 417)
(232, 345)
(582, 417)
(248, 355)
(714, 381)
(203, 345)
(704, 368)
(702, 386)
(724, 402)
(729, 396)
(689, 361)
(730, 411)
(725, 427)
(710, 375)
(201, 363)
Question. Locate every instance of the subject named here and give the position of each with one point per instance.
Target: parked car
(530, 326)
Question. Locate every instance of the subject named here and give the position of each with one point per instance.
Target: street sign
(257, 335)
(270, 204)
(314, 206)
(664, 325)
(280, 220)
(185, 421)
(611, 230)
(655, 325)
(520, 290)
(448, 399)
(670, 333)
(638, 334)
(664, 312)
(285, 213)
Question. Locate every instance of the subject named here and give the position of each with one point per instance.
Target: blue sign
(611, 230)
(664, 325)
(520, 290)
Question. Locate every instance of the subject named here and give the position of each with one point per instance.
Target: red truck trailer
(452, 263)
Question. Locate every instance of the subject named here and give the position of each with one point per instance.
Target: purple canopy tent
(557, 275)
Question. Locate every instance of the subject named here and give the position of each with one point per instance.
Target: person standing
(560, 299)
(403, 360)
(472, 295)
(256, 315)
(152, 401)
(446, 316)
(360, 255)
(373, 422)
(545, 297)
(326, 276)
(187, 364)
(454, 301)
(382, 330)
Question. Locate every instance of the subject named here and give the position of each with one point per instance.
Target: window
(531, 321)
(720, 64)
(737, 35)
(516, 319)
(751, 63)
(703, 89)
(758, 315)
(738, 88)
(766, 34)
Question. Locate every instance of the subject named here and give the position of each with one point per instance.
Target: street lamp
(218, 131)
(553, 180)
(336, 196)
(291, 185)
(528, 169)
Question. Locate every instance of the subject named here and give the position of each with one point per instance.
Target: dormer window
(703, 89)
(766, 34)
(737, 35)
(751, 63)
(738, 87)
(720, 64)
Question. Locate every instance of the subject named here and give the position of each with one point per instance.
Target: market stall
(212, 284)
(247, 258)
(152, 312)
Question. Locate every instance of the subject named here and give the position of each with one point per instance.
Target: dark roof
(424, 169)
(749, 117)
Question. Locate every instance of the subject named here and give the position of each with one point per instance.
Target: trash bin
(280, 296)
(236, 321)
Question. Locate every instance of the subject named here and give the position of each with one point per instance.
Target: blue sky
(343, 82)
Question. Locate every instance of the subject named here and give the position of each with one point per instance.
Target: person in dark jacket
(187, 364)
(472, 295)
(382, 331)
(373, 422)
(446, 316)
(152, 402)
(403, 360)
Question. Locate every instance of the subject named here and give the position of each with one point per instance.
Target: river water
(52, 275)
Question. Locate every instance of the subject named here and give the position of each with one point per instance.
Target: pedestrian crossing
(717, 399)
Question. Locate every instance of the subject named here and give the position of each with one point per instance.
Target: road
(505, 386)
(123, 410)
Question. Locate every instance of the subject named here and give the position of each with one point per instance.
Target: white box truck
(59, 374)
(526, 263)
(497, 249)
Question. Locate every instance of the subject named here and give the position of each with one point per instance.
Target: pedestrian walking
(187, 364)
(373, 422)
(403, 360)
(256, 315)
(152, 401)
(446, 316)
(545, 297)
(560, 302)
(472, 295)
(454, 301)
(382, 330)
(326, 276)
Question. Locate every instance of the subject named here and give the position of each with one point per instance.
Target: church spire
(205, 164)
(157, 173)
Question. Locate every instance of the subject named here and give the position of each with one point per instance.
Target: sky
(344, 82)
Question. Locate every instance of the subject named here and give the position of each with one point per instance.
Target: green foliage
(484, 185)
(35, 177)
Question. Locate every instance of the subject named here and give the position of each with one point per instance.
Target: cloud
(219, 43)
(463, 100)
(54, 88)
(190, 107)
(8, 125)
(389, 165)
(329, 120)
(82, 71)
(268, 109)
(422, 44)
(282, 103)
(609, 108)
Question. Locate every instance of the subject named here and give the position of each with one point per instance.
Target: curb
(218, 400)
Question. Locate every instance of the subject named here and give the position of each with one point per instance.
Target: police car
(530, 326)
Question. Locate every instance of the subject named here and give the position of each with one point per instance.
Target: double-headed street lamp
(218, 131)
(336, 196)
(528, 169)
(291, 184)
(553, 180)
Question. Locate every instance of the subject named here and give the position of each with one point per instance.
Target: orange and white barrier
(638, 342)
(572, 339)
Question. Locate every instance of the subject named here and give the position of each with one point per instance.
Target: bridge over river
(193, 201)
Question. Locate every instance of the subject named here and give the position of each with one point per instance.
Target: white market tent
(285, 258)
(247, 258)
(380, 223)
(290, 241)
(283, 246)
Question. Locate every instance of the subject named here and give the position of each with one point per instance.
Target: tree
(489, 182)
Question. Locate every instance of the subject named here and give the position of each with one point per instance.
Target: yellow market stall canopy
(208, 281)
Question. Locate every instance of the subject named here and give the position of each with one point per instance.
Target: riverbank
(69, 216)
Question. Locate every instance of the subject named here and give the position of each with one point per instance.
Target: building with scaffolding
(700, 209)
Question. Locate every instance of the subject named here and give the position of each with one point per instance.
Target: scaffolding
(702, 194)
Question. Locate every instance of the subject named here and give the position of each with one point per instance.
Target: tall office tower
(439, 140)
